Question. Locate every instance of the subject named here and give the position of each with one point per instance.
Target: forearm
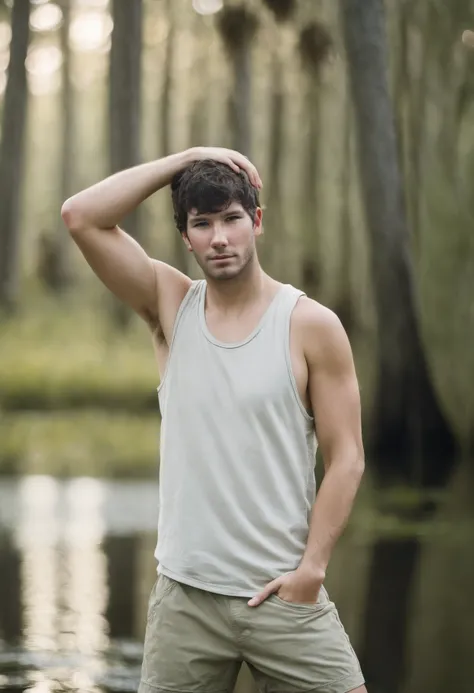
(106, 203)
(331, 512)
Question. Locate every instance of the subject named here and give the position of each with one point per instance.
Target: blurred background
(358, 115)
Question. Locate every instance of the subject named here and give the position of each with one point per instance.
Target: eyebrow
(205, 215)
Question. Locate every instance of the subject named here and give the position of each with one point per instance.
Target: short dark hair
(210, 186)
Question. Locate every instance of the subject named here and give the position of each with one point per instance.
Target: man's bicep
(334, 393)
(129, 273)
(121, 264)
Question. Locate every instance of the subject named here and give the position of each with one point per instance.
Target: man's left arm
(335, 401)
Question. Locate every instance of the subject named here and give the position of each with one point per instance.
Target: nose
(219, 239)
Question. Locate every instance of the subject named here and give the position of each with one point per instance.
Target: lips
(222, 257)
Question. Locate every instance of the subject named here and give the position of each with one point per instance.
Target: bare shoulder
(311, 315)
(171, 288)
(320, 333)
(168, 277)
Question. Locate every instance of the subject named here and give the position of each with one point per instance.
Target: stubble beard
(241, 266)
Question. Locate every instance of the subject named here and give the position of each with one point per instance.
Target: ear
(185, 238)
(257, 222)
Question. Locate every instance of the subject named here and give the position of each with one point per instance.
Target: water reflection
(37, 539)
(84, 574)
(76, 568)
(66, 571)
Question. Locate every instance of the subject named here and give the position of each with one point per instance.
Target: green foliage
(56, 357)
(89, 443)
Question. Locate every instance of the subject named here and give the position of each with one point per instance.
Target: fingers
(269, 589)
(253, 175)
(246, 165)
(235, 160)
(257, 181)
(233, 166)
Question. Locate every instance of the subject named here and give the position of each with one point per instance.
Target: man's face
(223, 243)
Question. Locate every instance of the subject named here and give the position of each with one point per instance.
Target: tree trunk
(418, 110)
(165, 105)
(125, 91)
(180, 256)
(61, 275)
(237, 26)
(240, 99)
(311, 263)
(447, 136)
(411, 438)
(345, 306)
(401, 75)
(125, 103)
(11, 154)
(273, 254)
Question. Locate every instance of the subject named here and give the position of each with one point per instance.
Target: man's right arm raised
(152, 288)
(93, 217)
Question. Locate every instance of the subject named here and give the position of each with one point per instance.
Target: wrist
(191, 155)
(312, 570)
(181, 160)
(162, 171)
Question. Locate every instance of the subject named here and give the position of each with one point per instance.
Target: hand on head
(237, 161)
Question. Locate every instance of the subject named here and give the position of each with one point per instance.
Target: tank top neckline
(234, 345)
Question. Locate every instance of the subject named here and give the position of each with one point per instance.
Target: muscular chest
(246, 376)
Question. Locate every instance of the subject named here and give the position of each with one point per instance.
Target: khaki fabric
(196, 641)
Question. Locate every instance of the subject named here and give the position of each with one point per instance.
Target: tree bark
(311, 262)
(125, 104)
(165, 105)
(240, 99)
(344, 306)
(125, 91)
(237, 26)
(273, 254)
(61, 275)
(411, 438)
(417, 118)
(180, 256)
(11, 154)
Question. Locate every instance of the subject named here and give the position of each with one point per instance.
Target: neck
(237, 293)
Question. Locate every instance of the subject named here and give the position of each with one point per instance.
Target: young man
(251, 370)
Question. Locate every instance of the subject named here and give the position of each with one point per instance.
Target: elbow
(350, 464)
(358, 461)
(360, 466)
(355, 465)
(71, 215)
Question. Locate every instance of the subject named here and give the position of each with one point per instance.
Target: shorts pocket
(163, 586)
(323, 600)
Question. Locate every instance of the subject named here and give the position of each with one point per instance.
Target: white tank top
(237, 451)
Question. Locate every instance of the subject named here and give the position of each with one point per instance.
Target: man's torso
(236, 329)
(237, 445)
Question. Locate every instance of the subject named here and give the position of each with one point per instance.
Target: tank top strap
(285, 303)
(287, 299)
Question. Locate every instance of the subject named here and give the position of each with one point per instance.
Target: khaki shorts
(196, 641)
